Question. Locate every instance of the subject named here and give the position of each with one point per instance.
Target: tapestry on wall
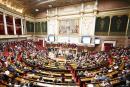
(102, 24)
(2, 32)
(10, 30)
(37, 27)
(119, 23)
(69, 26)
(30, 26)
(18, 31)
(44, 27)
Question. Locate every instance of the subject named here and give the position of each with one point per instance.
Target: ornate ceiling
(37, 6)
(34, 7)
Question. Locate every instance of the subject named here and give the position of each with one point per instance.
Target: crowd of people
(107, 62)
(24, 53)
(26, 56)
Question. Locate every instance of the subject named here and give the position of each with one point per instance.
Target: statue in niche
(68, 30)
(76, 29)
(118, 22)
(62, 30)
(102, 24)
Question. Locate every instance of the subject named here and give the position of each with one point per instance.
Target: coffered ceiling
(37, 6)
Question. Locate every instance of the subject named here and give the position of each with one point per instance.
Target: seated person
(100, 77)
(81, 73)
(89, 74)
(106, 83)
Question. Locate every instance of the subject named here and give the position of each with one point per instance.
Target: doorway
(108, 45)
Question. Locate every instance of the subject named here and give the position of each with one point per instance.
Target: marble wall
(84, 13)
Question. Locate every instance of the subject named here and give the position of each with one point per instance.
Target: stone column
(5, 24)
(14, 25)
(22, 30)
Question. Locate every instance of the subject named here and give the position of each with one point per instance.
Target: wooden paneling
(104, 5)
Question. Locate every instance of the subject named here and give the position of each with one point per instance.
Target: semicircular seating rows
(26, 63)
